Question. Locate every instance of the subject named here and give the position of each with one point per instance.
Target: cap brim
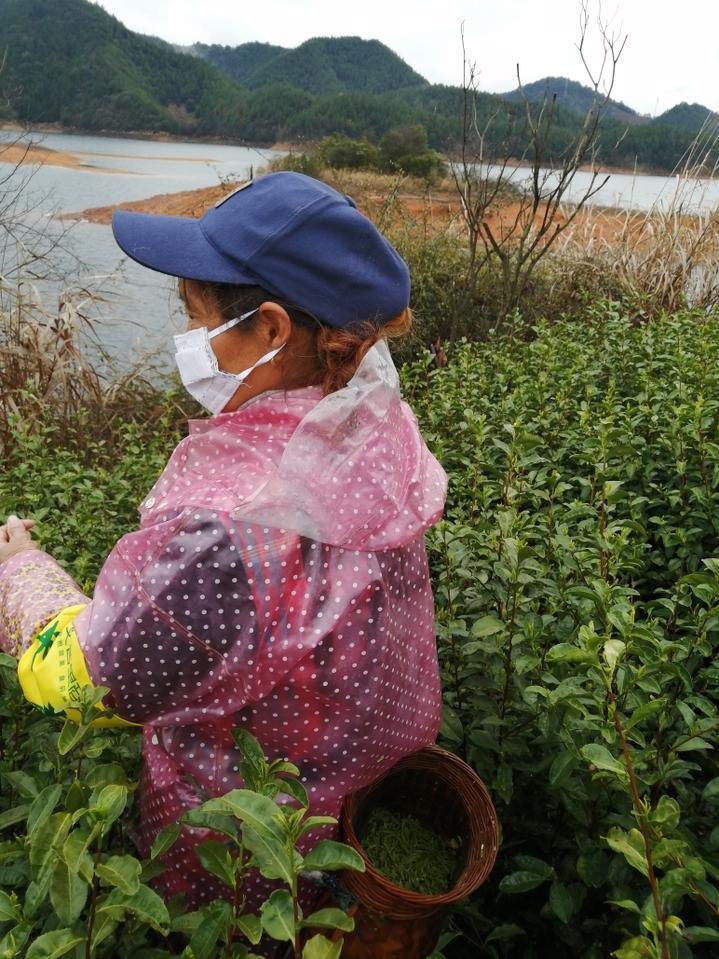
(175, 245)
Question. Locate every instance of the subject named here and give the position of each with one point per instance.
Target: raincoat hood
(348, 469)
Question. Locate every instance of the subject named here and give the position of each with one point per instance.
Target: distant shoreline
(17, 154)
(157, 137)
(281, 147)
(436, 210)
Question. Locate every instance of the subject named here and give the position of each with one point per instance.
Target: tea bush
(576, 576)
(577, 586)
(83, 492)
(70, 883)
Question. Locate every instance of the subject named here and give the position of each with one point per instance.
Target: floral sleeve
(33, 590)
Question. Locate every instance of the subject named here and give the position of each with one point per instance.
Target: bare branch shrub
(664, 258)
(516, 241)
(52, 368)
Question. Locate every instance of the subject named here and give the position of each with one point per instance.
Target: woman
(278, 580)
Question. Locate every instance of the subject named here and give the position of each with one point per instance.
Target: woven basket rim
(472, 874)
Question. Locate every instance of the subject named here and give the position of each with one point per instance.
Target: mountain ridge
(575, 96)
(69, 62)
(320, 65)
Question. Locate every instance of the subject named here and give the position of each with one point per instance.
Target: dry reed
(665, 258)
(52, 371)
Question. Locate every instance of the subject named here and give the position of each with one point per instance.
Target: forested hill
(322, 66)
(70, 62)
(688, 116)
(573, 96)
(241, 62)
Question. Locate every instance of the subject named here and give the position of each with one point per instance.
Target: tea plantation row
(576, 577)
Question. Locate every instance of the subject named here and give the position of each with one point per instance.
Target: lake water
(141, 311)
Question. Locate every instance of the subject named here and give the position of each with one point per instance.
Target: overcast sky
(672, 51)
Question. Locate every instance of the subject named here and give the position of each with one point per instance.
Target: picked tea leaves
(409, 854)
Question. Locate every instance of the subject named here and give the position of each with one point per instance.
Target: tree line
(72, 63)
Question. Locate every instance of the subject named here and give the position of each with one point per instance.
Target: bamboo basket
(447, 796)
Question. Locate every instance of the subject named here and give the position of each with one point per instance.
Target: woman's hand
(15, 537)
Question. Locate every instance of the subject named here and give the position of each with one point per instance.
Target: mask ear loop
(230, 323)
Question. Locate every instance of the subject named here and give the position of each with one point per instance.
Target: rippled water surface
(140, 307)
(141, 311)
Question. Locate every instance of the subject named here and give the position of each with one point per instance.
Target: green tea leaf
(314, 822)
(251, 808)
(568, 653)
(711, 790)
(13, 941)
(695, 743)
(250, 927)
(644, 711)
(329, 918)
(215, 858)
(451, 729)
(600, 757)
(71, 735)
(278, 766)
(77, 797)
(8, 911)
(52, 945)
(110, 803)
(329, 855)
(701, 934)
(638, 947)
(666, 814)
(613, 651)
(218, 822)
(508, 930)
(145, 904)
(105, 926)
(47, 840)
(37, 892)
(630, 845)
(22, 783)
(108, 774)
(295, 789)
(562, 765)
(561, 901)
(277, 916)
(627, 904)
(249, 746)
(535, 865)
(68, 893)
(273, 859)
(521, 881)
(165, 839)
(215, 920)
(123, 872)
(14, 815)
(42, 807)
(74, 852)
(486, 626)
(319, 947)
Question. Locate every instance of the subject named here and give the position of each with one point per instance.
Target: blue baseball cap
(294, 236)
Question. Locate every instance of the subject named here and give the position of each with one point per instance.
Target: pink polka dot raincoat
(278, 581)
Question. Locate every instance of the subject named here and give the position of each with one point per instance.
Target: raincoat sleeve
(33, 590)
(39, 603)
(196, 616)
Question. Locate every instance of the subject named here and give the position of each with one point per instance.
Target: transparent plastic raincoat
(279, 582)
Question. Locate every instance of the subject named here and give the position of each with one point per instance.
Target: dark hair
(336, 353)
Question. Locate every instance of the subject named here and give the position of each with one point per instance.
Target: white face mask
(199, 371)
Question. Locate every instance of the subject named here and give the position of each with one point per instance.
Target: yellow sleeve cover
(52, 671)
